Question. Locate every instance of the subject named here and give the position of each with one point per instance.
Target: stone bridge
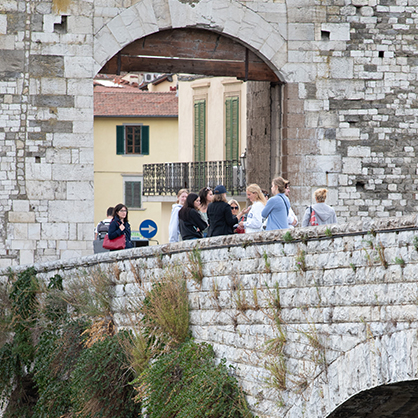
(340, 304)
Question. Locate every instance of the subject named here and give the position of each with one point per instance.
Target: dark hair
(110, 211)
(202, 194)
(188, 206)
(117, 208)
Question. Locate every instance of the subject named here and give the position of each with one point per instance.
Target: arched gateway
(47, 152)
(341, 108)
(237, 42)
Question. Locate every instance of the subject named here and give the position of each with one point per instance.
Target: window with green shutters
(133, 194)
(232, 128)
(200, 130)
(132, 139)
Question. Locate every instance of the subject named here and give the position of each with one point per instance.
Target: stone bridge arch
(373, 378)
(258, 51)
(233, 20)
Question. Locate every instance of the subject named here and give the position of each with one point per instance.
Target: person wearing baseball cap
(220, 218)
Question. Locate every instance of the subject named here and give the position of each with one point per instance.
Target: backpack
(102, 229)
(312, 220)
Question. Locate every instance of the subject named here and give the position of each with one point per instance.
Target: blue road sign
(148, 228)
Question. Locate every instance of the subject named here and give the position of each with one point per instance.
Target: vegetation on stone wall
(62, 356)
(183, 379)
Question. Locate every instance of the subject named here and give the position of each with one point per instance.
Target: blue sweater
(275, 211)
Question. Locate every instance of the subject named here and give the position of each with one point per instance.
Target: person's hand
(122, 227)
(294, 222)
(244, 211)
(241, 224)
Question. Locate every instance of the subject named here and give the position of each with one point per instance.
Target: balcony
(166, 179)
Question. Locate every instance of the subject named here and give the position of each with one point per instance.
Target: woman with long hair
(277, 207)
(190, 221)
(206, 197)
(173, 227)
(254, 220)
(120, 225)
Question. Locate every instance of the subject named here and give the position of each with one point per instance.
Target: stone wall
(349, 119)
(46, 131)
(347, 307)
(351, 126)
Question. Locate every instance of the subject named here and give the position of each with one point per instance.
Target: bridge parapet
(338, 303)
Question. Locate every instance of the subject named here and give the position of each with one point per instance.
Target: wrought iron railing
(168, 178)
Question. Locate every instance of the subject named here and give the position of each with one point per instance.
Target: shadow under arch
(236, 23)
(193, 51)
(381, 366)
(397, 400)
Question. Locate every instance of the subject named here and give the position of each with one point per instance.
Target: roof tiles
(128, 101)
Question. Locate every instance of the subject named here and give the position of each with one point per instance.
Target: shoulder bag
(118, 243)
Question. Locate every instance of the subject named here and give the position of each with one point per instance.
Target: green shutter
(145, 140)
(137, 194)
(232, 128)
(133, 194)
(120, 140)
(200, 130)
(128, 194)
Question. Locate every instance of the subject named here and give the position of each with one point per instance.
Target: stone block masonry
(345, 117)
(44, 70)
(338, 303)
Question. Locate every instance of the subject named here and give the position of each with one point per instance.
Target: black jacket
(115, 231)
(220, 218)
(188, 227)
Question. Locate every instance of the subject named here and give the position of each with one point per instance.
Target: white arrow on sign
(149, 228)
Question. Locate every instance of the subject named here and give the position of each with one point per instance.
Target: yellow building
(132, 128)
(212, 118)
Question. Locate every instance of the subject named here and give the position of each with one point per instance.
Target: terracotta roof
(129, 101)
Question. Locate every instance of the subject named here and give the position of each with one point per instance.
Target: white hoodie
(254, 220)
(173, 227)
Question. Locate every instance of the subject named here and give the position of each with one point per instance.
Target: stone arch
(232, 19)
(382, 365)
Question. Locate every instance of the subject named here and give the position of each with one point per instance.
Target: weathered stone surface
(350, 321)
(345, 119)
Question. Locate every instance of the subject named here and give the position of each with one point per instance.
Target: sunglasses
(234, 207)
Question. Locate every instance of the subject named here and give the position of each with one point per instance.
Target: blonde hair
(280, 183)
(320, 195)
(234, 201)
(180, 192)
(255, 188)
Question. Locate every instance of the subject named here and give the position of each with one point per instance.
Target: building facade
(132, 128)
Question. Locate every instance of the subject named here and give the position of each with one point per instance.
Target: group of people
(209, 214)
